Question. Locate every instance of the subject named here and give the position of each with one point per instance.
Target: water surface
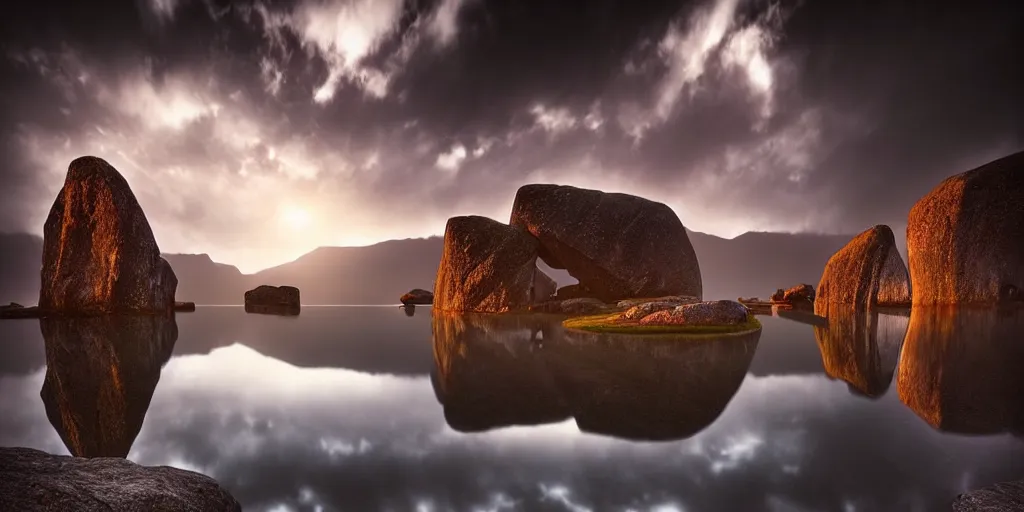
(367, 408)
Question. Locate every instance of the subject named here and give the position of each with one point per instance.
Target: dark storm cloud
(381, 119)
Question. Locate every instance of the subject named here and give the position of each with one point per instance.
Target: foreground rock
(717, 312)
(33, 480)
(617, 245)
(964, 237)
(1001, 497)
(486, 267)
(867, 272)
(417, 296)
(273, 300)
(99, 253)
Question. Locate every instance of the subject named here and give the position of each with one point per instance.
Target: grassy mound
(612, 324)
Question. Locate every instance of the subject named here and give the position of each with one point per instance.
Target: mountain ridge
(754, 263)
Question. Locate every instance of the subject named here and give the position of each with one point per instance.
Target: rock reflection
(100, 376)
(495, 371)
(960, 369)
(861, 348)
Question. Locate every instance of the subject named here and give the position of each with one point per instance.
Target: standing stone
(618, 246)
(965, 238)
(867, 272)
(486, 267)
(543, 287)
(99, 254)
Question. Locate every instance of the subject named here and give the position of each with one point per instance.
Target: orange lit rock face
(867, 272)
(618, 246)
(99, 254)
(965, 239)
(486, 267)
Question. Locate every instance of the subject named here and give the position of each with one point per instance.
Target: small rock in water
(184, 306)
(418, 296)
(273, 300)
(717, 312)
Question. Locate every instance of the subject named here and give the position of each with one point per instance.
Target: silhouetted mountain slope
(752, 264)
(756, 264)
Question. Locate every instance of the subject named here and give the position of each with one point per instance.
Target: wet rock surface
(32, 480)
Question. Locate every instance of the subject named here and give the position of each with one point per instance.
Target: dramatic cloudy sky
(255, 131)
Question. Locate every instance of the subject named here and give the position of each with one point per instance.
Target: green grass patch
(612, 324)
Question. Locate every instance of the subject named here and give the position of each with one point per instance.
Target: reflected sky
(244, 399)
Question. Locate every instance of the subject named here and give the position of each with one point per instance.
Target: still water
(367, 408)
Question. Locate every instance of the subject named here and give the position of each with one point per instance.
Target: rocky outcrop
(964, 241)
(960, 369)
(486, 267)
(32, 480)
(101, 373)
(99, 253)
(617, 245)
(716, 312)
(417, 296)
(867, 272)
(647, 308)
(1001, 497)
(861, 348)
(273, 300)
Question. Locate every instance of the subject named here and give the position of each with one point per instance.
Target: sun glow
(295, 217)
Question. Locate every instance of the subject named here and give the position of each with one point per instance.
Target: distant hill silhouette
(752, 264)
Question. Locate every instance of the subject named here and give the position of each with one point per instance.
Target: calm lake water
(367, 408)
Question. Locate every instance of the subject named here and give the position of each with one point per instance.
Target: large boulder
(486, 267)
(617, 245)
(33, 480)
(964, 238)
(99, 254)
(867, 272)
(273, 300)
